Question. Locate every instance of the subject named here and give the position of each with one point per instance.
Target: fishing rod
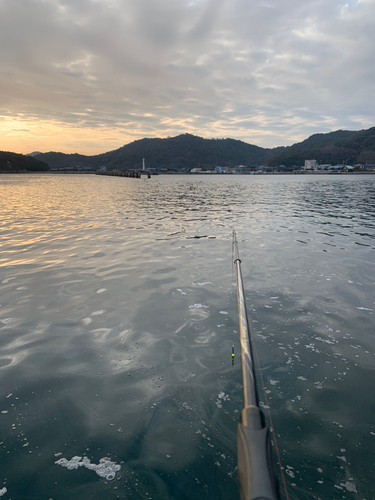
(255, 469)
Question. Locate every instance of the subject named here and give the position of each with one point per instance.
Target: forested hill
(341, 146)
(13, 162)
(180, 153)
(188, 151)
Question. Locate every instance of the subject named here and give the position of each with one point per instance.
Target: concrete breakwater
(127, 173)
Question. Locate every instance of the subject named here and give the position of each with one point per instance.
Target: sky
(89, 76)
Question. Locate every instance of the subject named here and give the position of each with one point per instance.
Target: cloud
(265, 72)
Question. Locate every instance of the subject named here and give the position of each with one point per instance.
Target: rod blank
(255, 468)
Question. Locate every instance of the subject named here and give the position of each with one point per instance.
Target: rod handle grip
(255, 470)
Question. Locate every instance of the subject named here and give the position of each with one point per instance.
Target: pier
(127, 173)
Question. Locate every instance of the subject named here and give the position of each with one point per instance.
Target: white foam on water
(349, 486)
(198, 306)
(220, 398)
(326, 341)
(338, 424)
(3, 491)
(186, 406)
(97, 313)
(223, 312)
(202, 284)
(364, 309)
(101, 290)
(289, 471)
(86, 321)
(105, 468)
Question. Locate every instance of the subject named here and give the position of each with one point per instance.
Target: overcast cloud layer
(92, 75)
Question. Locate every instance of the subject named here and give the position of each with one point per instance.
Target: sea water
(118, 313)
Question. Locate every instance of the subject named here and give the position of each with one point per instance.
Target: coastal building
(241, 169)
(341, 168)
(311, 165)
(199, 170)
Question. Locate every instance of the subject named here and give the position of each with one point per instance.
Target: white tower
(143, 164)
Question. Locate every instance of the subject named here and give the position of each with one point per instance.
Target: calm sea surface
(119, 311)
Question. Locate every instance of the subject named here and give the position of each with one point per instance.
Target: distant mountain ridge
(34, 153)
(13, 162)
(321, 140)
(341, 146)
(180, 153)
(187, 151)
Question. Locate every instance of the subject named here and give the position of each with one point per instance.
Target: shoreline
(196, 173)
